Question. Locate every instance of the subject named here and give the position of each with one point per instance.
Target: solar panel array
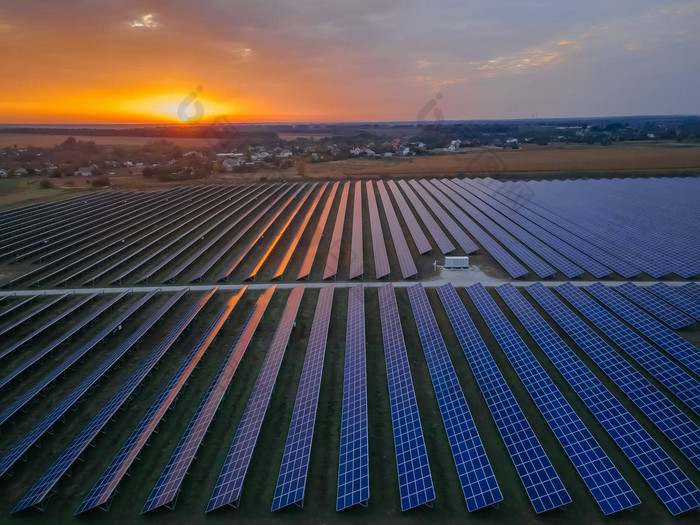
(692, 290)
(353, 469)
(655, 306)
(662, 336)
(408, 267)
(542, 484)
(412, 465)
(312, 248)
(43, 488)
(169, 483)
(419, 238)
(476, 476)
(291, 481)
(685, 387)
(677, 299)
(356, 263)
(334, 249)
(668, 481)
(431, 224)
(122, 461)
(230, 482)
(657, 407)
(604, 481)
(381, 260)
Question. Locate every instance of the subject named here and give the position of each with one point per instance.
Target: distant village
(165, 160)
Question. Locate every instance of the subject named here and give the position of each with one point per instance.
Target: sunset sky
(75, 61)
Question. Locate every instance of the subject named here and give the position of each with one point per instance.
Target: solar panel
(458, 234)
(479, 485)
(381, 261)
(685, 387)
(541, 268)
(677, 299)
(297, 235)
(408, 267)
(542, 484)
(692, 290)
(433, 227)
(655, 306)
(54, 320)
(122, 461)
(415, 481)
(505, 220)
(30, 315)
(291, 481)
(334, 249)
(659, 333)
(505, 259)
(61, 368)
(230, 482)
(353, 468)
(419, 238)
(604, 481)
(356, 263)
(19, 305)
(276, 238)
(668, 481)
(44, 487)
(75, 327)
(658, 408)
(550, 222)
(312, 248)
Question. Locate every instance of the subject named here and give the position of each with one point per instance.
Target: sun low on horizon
(136, 61)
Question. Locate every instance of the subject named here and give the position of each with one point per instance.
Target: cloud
(145, 21)
(549, 55)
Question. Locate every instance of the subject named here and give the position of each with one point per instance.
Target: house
(406, 151)
(3, 174)
(454, 145)
(285, 153)
(85, 171)
(229, 164)
(20, 172)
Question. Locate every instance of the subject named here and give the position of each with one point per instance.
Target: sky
(82, 61)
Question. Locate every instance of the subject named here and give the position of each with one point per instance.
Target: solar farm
(292, 351)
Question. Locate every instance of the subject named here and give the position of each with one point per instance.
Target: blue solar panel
(670, 484)
(692, 290)
(415, 481)
(658, 408)
(130, 450)
(22, 446)
(230, 482)
(44, 488)
(476, 476)
(659, 333)
(381, 261)
(419, 238)
(604, 481)
(677, 299)
(61, 368)
(291, 481)
(655, 306)
(408, 267)
(431, 224)
(542, 484)
(353, 468)
(685, 387)
(356, 255)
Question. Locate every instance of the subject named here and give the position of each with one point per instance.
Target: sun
(182, 108)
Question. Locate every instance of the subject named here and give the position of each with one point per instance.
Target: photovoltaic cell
(381, 261)
(542, 484)
(659, 333)
(682, 384)
(123, 460)
(433, 227)
(419, 238)
(230, 482)
(476, 476)
(604, 481)
(675, 425)
(312, 248)
(655, 306)
(356, 262)
(334, 249)
(353, 468)
(677, 299)
(415, 481)
(168, 486)
(44, 487)
(408, 267)
(668, 481)
(291, 481)
(692, 290)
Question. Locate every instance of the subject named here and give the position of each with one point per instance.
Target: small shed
(456, 263)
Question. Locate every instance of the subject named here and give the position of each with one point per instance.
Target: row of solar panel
(210, 232)
(542, 484)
